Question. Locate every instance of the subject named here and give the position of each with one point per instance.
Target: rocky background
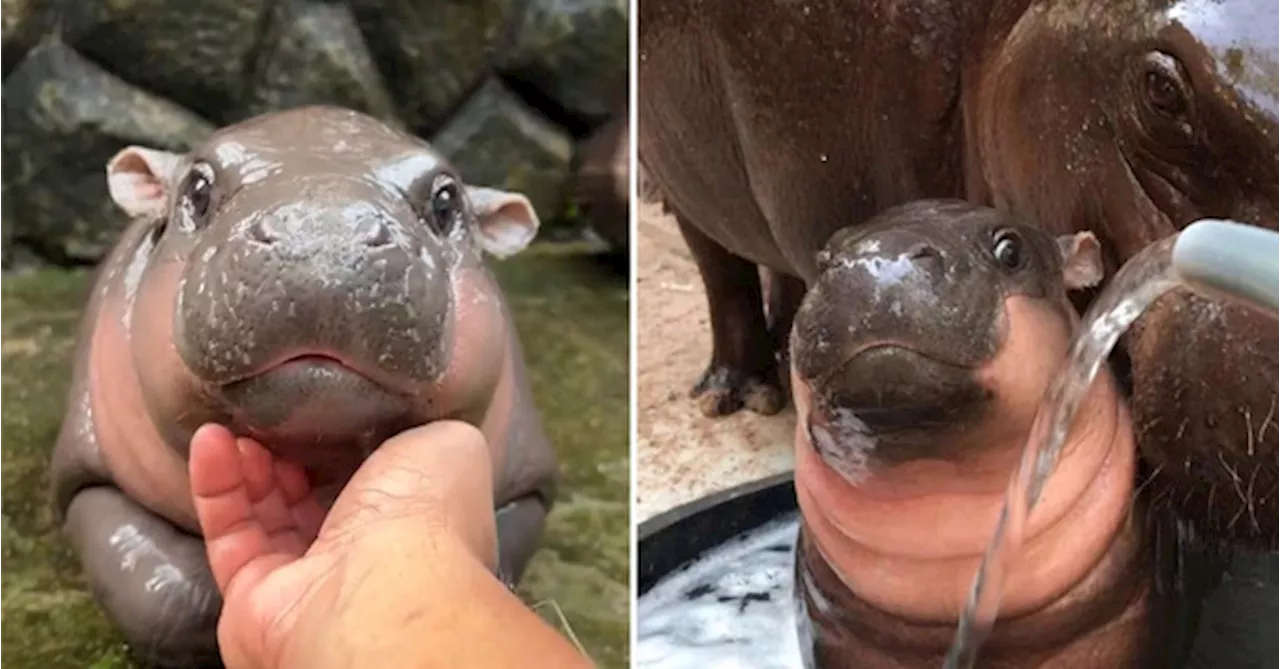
(515, 92)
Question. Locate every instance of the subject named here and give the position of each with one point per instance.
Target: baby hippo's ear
(1081, 260)
(506, 222)
(139, 180)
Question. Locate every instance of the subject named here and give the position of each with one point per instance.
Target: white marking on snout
(252, 167)
(869, 246)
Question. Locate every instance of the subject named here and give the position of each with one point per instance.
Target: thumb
(438, 477)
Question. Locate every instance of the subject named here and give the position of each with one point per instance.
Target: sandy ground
(682, 455)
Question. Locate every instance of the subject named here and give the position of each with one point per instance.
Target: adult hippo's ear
(505, 222)
(1081, 260)
(139, 179)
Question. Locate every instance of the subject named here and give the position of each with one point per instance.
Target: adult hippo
(768, 126)
(310, 278)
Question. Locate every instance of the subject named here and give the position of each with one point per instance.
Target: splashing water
(1139, 283)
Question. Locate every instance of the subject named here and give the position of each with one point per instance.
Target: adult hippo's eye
(1165, 86)
(197, 193)
(1007, 248)
(447, 205)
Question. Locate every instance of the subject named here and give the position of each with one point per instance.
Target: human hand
(304, 590)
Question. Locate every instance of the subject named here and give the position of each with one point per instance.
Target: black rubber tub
(673, 538)
(1238, 631)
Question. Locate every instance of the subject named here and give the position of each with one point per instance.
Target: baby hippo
(310, 278)
(919, 357)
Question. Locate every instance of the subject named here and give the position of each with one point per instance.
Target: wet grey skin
(311, 278)
(905, 312)
(1129, 119)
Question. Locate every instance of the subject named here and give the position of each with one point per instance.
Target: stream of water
(1141, 281)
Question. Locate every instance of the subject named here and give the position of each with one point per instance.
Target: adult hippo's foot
(920, 356)
(744, 368)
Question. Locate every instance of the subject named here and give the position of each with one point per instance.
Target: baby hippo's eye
(1007, 249)
(197, 193)
(446, 205)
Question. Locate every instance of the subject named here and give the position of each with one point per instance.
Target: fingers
(439, 475)
(246, 524)
(295, 488)
(270, 509)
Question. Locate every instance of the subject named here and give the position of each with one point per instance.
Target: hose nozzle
(1237, 261)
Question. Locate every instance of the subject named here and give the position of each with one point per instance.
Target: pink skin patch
(909, 540)
(134, 451)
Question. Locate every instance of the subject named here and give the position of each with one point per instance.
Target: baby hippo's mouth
(895, 397)
(317, 410)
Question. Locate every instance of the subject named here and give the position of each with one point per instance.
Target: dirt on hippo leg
(743, 370)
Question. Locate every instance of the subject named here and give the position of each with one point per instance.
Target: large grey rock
(64, 117)
(429, 67)
(315, 54)
(574, 52)
(432, 53)
(195, 53)
(497, 140)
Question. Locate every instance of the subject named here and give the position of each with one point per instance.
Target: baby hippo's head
(931, 333)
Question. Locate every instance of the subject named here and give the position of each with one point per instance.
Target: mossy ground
(571, 310)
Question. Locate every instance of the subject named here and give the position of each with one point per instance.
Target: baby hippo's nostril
(260, 232)
(374, 234)
(924, 252)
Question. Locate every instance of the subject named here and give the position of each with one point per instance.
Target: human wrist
(407, 602)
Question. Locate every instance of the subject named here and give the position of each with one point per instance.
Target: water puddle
(732, 607)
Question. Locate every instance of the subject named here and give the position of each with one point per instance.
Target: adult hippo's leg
(743, 369)
(152, 578)
(784, 295)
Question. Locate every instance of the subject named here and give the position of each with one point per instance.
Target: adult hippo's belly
(769, 126)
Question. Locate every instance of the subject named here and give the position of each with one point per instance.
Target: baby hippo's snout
(888, 339)
(320, 317)
(294, 231)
